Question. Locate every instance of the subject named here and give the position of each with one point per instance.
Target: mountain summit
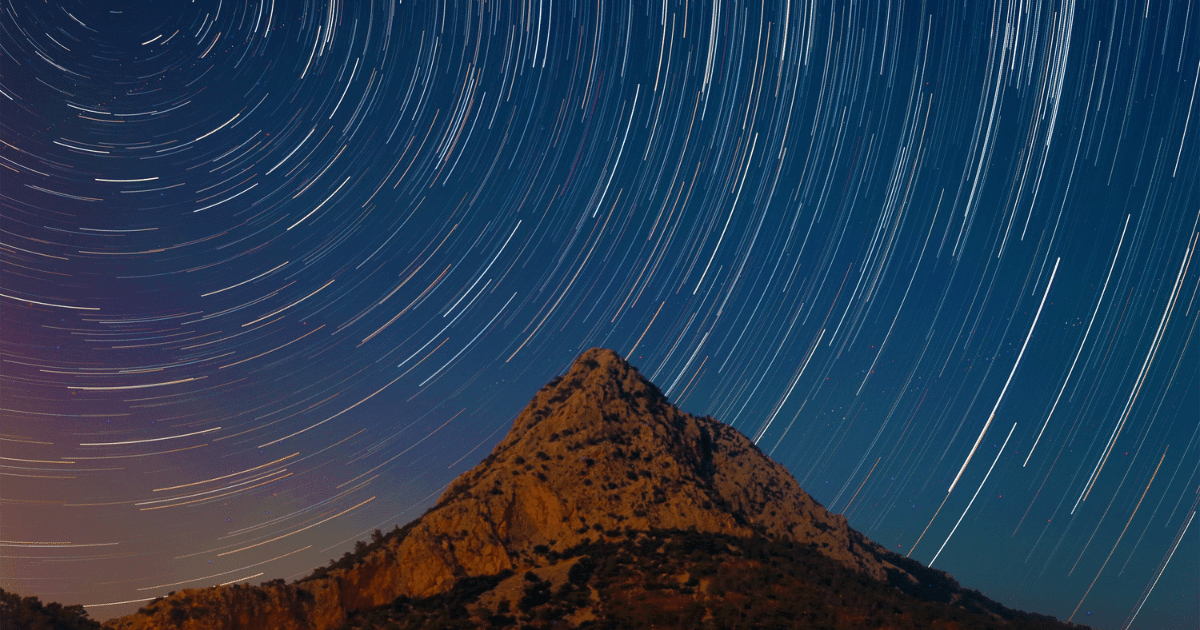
(598, 459)
(601, 449)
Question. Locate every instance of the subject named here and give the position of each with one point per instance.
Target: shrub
(581, 571)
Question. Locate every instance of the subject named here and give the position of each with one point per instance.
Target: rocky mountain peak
(598, 453)
(600, 449)
(599, 388)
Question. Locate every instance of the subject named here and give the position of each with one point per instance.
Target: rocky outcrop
(597, 450)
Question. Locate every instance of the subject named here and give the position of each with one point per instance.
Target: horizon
(276, 273)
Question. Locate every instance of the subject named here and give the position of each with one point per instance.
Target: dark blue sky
(274, 273)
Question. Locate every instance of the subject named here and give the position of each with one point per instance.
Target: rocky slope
(598, 452)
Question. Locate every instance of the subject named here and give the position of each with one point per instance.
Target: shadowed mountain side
(597, 452)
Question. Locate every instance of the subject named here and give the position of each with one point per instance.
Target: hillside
(686, 580)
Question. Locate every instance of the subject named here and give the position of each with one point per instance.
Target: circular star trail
(275, 272)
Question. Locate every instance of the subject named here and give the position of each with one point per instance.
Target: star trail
(275, 272)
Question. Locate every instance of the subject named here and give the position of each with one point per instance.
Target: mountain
(605, 506)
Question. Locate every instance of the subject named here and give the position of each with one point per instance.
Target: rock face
(599, 449)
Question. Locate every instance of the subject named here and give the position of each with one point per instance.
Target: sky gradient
(275, 272)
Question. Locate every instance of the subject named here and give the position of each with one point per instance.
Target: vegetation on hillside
(29, 613)
(689, 580)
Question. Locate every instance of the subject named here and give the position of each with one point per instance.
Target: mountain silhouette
(607, 507)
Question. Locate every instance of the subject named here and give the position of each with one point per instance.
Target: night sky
(275, 273)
